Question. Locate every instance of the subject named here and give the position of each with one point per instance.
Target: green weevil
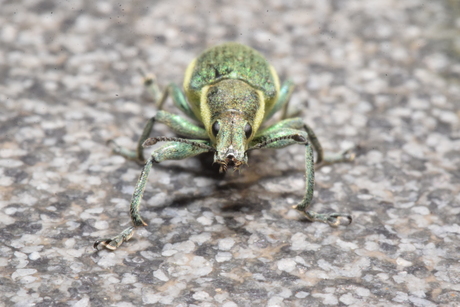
(231, 91)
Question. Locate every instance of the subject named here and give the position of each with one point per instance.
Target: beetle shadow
(236, 193)
(227, 181)
(207, 167)
(248, 177)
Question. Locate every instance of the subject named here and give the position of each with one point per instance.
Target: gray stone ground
(380, 74)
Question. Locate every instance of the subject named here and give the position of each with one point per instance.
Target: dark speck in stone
(160, 39)
(16, 173)
(379, 123)
(30, 159)
(44, 7)
(443, 128)
(61, 206)
(388, 248)
(83, 155)
(206, 250)
(419, 271)
(256, 293)
(72, 194)
(56, 133)
(23, 227)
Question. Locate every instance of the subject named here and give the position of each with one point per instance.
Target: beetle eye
(248, 130)
(215, 128)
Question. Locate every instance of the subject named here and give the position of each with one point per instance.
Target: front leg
(282, 136)
(170, 151)
(333, 219)
(321, 158)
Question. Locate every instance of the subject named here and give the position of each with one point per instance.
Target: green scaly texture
(233, 61)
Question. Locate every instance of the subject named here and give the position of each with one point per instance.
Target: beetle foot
(333, 219)
(151, 85)
(124, 152)
(113, 243)
(348, 155)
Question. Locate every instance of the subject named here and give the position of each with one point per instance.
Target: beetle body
(230, 61)
(230, 91)
(230, 88)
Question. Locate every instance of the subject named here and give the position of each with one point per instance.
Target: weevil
(230, 92)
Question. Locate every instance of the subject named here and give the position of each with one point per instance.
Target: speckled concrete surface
(380, 74)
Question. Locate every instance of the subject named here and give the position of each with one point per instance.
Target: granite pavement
(380, 75)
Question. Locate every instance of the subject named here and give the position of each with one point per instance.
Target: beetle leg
(151, 85)
(283, 100)
(171, 151)
(138, 154)
(178, 98)
(328, 158)
(321, 158)
(347, 155)
(186, 128)
(159, 97)
(315, 142)
(279, 137)
(177, 124)
(333, 219)
(296, 123)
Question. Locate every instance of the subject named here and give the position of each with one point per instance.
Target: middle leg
(178, 124)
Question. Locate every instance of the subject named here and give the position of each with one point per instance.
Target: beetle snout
(230, 155)
(231, 158)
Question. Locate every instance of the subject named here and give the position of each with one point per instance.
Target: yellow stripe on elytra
(192, 96)
(276, 80)
(205, 112)
(188, 74)
(260, 112)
